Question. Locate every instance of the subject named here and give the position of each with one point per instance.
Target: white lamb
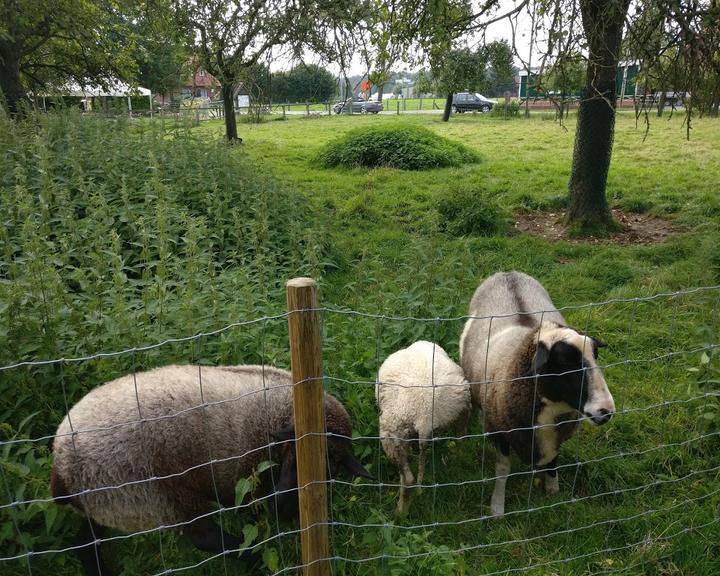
(420, 390)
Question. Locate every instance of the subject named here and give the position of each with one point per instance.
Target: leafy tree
(163, 50)
(256, 82)
(565, 78)
(602, 22)
(304, 83)
(50, 42)
(234, 35)
(676, 25)
(425, 83)
(501, 72)
(384, 47)
(462, 69)
(678, 48)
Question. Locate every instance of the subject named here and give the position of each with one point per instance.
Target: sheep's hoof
(552, 485)
(402, 508)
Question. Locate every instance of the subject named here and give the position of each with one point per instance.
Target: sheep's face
(567, 364)
(340, 456)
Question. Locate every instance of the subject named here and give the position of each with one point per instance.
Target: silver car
(358, 106)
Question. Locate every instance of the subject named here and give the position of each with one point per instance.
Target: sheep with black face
(533, 377)
(134, 454)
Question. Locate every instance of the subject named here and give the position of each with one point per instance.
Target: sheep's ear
(288, 473)
(284, 434)
(354, 466)
(542, 357)
(600, 343)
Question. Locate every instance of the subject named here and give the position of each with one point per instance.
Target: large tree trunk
(10, 83)
(448, 107)
(380, 92)
(229, 109)
(588, 211)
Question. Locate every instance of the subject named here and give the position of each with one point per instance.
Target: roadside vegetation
(116, 234)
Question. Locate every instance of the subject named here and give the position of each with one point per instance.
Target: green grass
(381, 241)
(407, 104)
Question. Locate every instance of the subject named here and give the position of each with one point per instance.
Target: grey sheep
(532, 376)
(419, 390)
(170, 423)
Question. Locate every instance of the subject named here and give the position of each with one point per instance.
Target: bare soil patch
(636, 228)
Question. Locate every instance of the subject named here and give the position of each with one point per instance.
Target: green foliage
(409, 553)
(387, 253)
(707, 372)
(469, 212)
(51, 43)
(396, 146)
(506, 110)
(24, 469)
(304, 83)
(567, 76)
(462, 69)
(117, 234)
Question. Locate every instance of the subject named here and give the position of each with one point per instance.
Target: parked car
(469, 102)
(358, 106)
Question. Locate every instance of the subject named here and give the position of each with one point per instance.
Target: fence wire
(629, 491)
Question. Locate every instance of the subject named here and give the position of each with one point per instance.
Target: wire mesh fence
(193, 466)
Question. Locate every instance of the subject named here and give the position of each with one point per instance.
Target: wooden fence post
(308, 405)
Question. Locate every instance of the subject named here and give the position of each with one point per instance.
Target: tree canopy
(304, 83)
(48, 43)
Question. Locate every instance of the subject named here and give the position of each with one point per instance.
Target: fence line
(319, 558)
(341, 311)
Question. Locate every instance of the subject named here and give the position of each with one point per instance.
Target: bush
(506, 110)
(396, 146)
(468, 212)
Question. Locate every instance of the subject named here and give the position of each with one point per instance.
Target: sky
(497, 31)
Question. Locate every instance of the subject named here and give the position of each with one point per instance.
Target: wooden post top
(301, 283)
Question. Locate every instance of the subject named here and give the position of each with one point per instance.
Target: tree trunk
(229, 110)
(380, 92)
(448, 107)
(661, 103)
(10, 83)
(588, 212)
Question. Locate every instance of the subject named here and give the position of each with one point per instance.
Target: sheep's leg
(89, 551)
(396, 452)
(209, 537)
(502, 470)
(551, 481)
(421, 464)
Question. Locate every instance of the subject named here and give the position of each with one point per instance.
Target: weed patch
(396, 146)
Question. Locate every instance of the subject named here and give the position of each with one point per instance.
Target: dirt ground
(637, 228)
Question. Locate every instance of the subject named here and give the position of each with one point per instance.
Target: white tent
(115, 89)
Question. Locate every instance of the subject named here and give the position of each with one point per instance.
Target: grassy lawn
(223, 228)
(390, 105)
(390, 254)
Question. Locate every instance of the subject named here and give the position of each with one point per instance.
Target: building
(200, 84)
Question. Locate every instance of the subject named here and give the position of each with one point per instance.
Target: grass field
(389, 104)
(637, 496)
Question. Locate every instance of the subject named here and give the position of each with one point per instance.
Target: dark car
(358, 106)
(469, 102)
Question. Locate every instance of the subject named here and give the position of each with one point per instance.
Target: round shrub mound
(396, 146)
